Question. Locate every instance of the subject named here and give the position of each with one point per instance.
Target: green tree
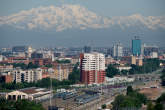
(129, 90)
(31, 66)
(133, 100)
(49, 65)
(158, 106)
(149, 66)
(118, 100)
(63, 61)
(21, 65)
(19, 105)
(163, 77)
(150, 106)
(111, 71)
(74, 76)
(103, 106)
(161, 99)
(124, 72)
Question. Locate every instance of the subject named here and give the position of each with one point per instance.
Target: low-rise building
(118, 79)
(6, 68)
(154, 54)
(123, 68)
(32, 93)
(5, 78)
(136, 61)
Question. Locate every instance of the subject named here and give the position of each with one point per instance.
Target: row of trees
(42, 83)
(19, 105)
(63, 61)
(149, 66)
(24, 66)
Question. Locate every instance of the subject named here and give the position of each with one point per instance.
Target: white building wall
(20, 75)
(93, 61)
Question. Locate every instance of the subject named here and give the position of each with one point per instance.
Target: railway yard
(92, 98)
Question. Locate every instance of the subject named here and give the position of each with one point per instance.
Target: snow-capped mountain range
(76, 17)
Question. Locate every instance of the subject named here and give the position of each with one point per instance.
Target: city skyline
(82, 54)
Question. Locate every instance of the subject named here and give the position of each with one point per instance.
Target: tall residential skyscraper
(92, 67)
(117, 50)
(136, 46)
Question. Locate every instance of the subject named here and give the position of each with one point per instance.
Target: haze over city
(82, 55)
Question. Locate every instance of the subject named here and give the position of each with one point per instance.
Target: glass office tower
(136, 46)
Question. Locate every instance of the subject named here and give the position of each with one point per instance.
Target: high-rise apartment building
(92, 67)
(117, 50)
(136, 46)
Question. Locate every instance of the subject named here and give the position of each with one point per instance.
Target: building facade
(117, 50)
(32, 93)
(136, 46)
(92, 67)
(20, 75)
(61, 71)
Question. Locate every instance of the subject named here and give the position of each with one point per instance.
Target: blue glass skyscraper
(136, 46)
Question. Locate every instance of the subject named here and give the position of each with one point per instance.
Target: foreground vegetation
(42, 83)
(158, 105)
(133, 100)
(163, 77)
(19, 105)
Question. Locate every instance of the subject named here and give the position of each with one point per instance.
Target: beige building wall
(133, 60)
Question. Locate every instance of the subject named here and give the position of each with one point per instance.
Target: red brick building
(6, 78)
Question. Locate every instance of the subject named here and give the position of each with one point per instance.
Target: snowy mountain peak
(75, 17)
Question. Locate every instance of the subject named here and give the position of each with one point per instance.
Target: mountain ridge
(76, 17)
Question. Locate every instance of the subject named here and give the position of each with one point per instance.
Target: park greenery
(149, 66)
(19, 105)
(163, 77)
(111, 71)
(133, 100)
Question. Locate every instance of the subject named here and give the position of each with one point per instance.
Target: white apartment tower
(117, 50)
(92, 67)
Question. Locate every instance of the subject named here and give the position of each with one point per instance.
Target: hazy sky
(104, 37)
